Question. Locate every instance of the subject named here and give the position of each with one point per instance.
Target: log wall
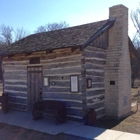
(95, 60)
(58, 66)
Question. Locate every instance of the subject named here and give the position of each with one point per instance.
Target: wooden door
(35, 83)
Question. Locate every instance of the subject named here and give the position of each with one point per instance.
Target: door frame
(28, 88)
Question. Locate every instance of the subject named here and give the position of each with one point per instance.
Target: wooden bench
(56, 108)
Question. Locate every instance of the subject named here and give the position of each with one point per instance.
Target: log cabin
(86, 66)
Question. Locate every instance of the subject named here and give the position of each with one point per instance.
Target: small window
(89, 83)
(74, 83)
(35, 60)
(46, 81)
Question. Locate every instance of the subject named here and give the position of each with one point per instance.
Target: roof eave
(105, 27)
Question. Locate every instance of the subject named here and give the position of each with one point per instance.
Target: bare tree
(52, 27)
(6, 34)
(41, 29)
(20, 33)
(135, 70)
(135, 17)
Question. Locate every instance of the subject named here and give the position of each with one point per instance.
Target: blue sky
(30, 14)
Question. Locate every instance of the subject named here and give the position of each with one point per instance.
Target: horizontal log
(62, 70)
(18, 100)
(54, 55)
(18, 94)
(95, 49)
(18, 106)
(24, 89)
(62, 65)
(62, 83)
(71, 96)
(15, 77)
(56, 89)
(96, 105)
(95, 73)
(19, 67)
(43, 55)
(15, 63)
(96, 99)
(95, 92)
(62, 78)
(94, 54)
(70, 58)
(16, 72)
(98, 85)
(13, 82)
(95, 61)
(95, 79)
(93, 66)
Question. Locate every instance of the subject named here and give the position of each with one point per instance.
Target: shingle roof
(67, 37)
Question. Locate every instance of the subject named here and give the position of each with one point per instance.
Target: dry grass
(131, 123)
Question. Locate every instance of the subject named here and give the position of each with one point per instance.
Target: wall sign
(74, 83)
(46, 81)
(89, 83)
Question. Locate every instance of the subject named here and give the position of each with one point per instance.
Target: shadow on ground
(108, 123)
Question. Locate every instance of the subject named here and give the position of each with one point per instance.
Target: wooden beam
(26, 54)
(48, 51)
(9, 56)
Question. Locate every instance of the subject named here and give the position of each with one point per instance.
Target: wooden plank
(94, 73)
(15, 62)
(95, 61)
(61, 65)
(62, 96)
(95, 49)
(20, 94)
(54, 83)
(56, 89)
(70, 58)
(94, 54)
(96, 99)
(19, 67)
(97, 85)
(24, 89)
(18, 100)
(95, 92)
(96, 105)
(15, 82)
(15, 72)
(10, 77)
(62, 71)
(96, 79)
(93, 66)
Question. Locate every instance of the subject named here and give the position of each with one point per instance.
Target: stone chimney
(118, 69)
